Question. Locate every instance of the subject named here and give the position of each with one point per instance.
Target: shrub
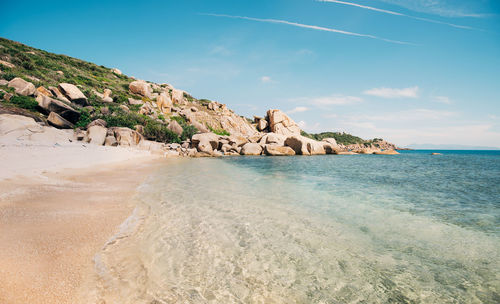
(159, 132)
(28, 65)
(122, 119)
(1, 94)
(181, 120)
(9, 76)
(84, 120)
(24, 102)
(188, 132)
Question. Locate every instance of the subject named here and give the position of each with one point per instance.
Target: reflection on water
(302, 230)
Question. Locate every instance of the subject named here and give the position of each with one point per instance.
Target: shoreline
(58, 219)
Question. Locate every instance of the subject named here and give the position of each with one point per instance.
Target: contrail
(313, 27)
(397, 14)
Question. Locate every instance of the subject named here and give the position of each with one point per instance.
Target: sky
(409, 71)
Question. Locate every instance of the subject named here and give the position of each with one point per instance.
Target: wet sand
(52, 225)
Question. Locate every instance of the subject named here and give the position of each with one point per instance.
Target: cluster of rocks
(276, 134)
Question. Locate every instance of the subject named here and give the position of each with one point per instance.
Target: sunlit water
(411, 228)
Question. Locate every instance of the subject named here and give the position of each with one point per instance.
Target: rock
(251, 149)
(42, 90)
(57, 121)
(435, 153)
(186, 144)
(18, 129)
(164, 103)
(60, 73)
(7, 64)
(280, 123)
(305, 146)
(116, 71)
(139, 128)
(206, 140)
(387, 152)
(262, 125)
(22, 87)
(273, 138)
(331, 141)
(177, 96)
(71, 92)
(104, 110)
(210, 106)
(216, 153)
(140, 87)
(127, 136)
(133, 101)
(276, 150)
(346, 153)
(110, 141)
(255, 138)
(3, 82)
(55, 91)
(237, 140)
(201, 128)
(7, 96)
(193, 109)
(97, 122)
(145, 109)
(226, 148)
(107, 99)
(53, 105)
(80, 134)
(175, 127)
(96, 135)
(124, 108)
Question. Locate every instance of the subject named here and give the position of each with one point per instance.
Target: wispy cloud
(396, 13)
(442, 99)
(298, 110)
(393, 93)
(445, 8)
(336, 100)
(312, 27)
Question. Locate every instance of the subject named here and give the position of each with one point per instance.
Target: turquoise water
(412, 228)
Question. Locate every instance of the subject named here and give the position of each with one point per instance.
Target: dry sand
(59, 204)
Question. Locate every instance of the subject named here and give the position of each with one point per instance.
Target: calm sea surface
(412, 228)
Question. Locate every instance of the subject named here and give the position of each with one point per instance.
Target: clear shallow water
(412, 228)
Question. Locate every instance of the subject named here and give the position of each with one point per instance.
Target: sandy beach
(58, 206)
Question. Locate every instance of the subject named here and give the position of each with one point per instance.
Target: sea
(409, 228)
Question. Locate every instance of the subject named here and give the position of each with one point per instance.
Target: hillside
(104, 106)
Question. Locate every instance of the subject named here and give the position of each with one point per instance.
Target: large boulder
(110, 141)
(199, 126)
(127, 136)
(22, 87)
(305, 146)
(262, 124)
(17, 128)
(57, 93)
(164, 103)
(205, 140)
(178, 96)
(71, 92)
(280, 123)
(276, 150)
(175, 127)
(236, 140)
(42, 90)
(273, 138)
(140, 87)
(251, 149)
(57, 121)
(96, 135)
(49, 104)
(387, 152)
(97, 122)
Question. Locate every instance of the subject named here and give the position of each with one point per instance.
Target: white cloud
(265, 79)
(404, 116)
(298, 110)
(395, 13)
(335, 100)
(445, 8)
(442, 99)
(220, 50)
(312, 27)
(393, 93)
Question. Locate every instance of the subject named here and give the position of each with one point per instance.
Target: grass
(220, 132)
(24, 102)
(341, 138)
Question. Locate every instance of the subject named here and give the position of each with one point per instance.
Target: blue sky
(420, 71)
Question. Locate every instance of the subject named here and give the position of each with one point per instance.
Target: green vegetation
(188, 131)
(24, 102)
(220, 132)
(84, 119)
(341, 138)
(160, 132)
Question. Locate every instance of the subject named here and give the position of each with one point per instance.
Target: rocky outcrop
(48, 104)
(97, 122)
(140, 87)
(205, 142)
(57, 93)
(280, 123)
(164, 103)
(175, 127)
(57, 121)
(96, 135)
(277, 150)
(387, 152)
(126, 136)
(22, 87)
(305, 146)
(251, 149)
(73, 94)
(42, 90)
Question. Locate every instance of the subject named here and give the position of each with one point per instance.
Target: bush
(188, 132)
(9, 76)
(24, 102)
(84, 120)
(122, 119)
(28, 65)
(159, 132)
